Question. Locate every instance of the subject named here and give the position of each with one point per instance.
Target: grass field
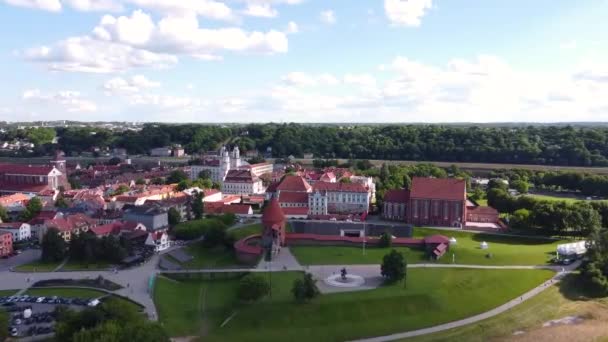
(505, 250)
(432, 296)
(245, 231)
(219, 256)
(556, 302)
(208, 257)
(560, 198)
(38, 266)
(4, 293)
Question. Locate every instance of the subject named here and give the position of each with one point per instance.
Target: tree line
(585, 183)
(546, 145)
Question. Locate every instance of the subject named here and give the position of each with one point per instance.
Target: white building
(242, 182)
(338, 198)
(159, 240)
(20, 231)
(161, 152)
(218, 166)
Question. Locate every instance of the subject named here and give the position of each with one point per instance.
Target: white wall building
(219, 166)
(20, 231)
(242, 182)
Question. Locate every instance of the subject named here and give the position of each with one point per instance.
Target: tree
(53, 246)
(393, 266)
(252, 287)
(114, 161)
(198, 205)
(205, 174)
(520, 219)
(176, 177)
(140, 181)
(385, 240)
(596, 270)
(521, 186)
(305, 289)
(174, 216)
(3, 214)
(157, 181)
(32, 209)
(61, 202)
(345, 180)
(122, 188)
(215, 235)
(183, 185)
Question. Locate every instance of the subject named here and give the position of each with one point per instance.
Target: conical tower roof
(273, 214)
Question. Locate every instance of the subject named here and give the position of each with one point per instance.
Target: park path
(480, 317)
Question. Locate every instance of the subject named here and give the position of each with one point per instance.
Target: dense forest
(550, 145)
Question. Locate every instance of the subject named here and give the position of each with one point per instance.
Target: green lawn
(432, 296)
(38, 266)
(245, 231)
(554, 198)
(505, 250)
(330, 255)
(4, 293)
(216, 257)
(556, 302)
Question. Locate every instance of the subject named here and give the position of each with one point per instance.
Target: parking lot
(34, 316)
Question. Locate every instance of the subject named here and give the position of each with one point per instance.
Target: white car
(40, 300)
(93, 302)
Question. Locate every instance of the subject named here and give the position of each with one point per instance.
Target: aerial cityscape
(303, 170)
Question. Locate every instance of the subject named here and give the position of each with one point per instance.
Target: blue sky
(304, 60)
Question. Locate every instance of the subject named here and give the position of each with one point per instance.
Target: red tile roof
(240, 176)
(10, 225)
(482, 210)
(34, 188)
(397, 196)
(241, 209)
(339, 187)
(210, 192)
(436, 239)
(294, 183)
(110, 228)
(13, 199)
(34, 170)
(293, 197)
(439, 188)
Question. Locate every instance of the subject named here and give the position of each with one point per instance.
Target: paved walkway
(480, 317)
(283, 261)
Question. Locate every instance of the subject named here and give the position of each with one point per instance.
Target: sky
(304, 60)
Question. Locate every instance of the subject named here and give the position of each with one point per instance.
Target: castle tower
(273, 221)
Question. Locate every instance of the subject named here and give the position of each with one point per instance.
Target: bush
(252, 287)
(305, 289)
(386, 240)
(393, 266)
(228, 219)
(214, 236)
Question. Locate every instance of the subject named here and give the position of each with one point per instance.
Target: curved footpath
(480, 317)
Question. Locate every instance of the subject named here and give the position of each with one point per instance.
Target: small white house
(160, 241)
(20, 231)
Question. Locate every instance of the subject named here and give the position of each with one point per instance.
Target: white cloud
(205, 8)
(406, 12)
(182, 35)
(46, 5)
(71, 101)
(133, 84)
(301, 79)
(125, 42)
(260, 10)
(95, 5)
(84, 54)
(362, 80)
(292, 27)
(568, 45)
(328, 17)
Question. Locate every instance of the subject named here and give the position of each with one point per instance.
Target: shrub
(252, 287)
(386, 240)
(305, 289)
(394, 267)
